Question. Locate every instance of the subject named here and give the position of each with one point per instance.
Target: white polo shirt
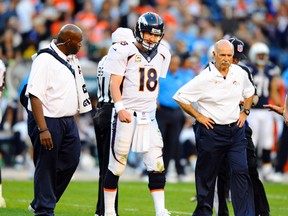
(54, 84)
(217, 98)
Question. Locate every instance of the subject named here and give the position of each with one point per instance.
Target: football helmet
(152, 23)
(259, 48)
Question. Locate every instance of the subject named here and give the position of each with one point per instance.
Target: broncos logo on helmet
(152, 23)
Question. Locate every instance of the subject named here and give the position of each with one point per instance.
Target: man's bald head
(223, 44)
(223, 54)
(67, 31)
(69, 39)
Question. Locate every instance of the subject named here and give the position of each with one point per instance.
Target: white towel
(84, 103)
(141, 138)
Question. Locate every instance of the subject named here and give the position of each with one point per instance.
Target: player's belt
(101, 104)
(228, 125)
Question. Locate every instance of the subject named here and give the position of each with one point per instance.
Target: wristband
(42, 130)
(119, 106)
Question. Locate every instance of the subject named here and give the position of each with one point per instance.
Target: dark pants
(223, 187)
(170, 122)
(260, 199)
(213, 145)
(102, 126)
(282, 151)
(53, 168)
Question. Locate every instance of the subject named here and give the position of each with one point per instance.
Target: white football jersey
(140, 73)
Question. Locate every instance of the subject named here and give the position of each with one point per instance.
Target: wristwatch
(246, 111)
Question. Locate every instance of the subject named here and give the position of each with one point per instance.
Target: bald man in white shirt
(219, 128)
(53, 98)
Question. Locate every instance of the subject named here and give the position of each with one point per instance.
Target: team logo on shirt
(235, 83)
(138, 58)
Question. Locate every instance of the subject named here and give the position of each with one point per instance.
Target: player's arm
(274, 94)
(115, 83)
(279, 110)
(246, 106)
(37, 110)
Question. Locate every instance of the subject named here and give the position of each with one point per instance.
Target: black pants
(213, 145)
(260, 199)
(170, 123)
(282, 151)
(102, 126)
(53, 168)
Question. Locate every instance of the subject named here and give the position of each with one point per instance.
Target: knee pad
(156, 180)
(153, 160)
(116, 166)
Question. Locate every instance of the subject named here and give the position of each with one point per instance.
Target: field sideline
(135, 199)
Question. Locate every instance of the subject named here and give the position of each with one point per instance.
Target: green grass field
(135, 199)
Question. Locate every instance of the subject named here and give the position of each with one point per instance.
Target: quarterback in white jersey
(135, 69)
(140, 72)
(102, 119)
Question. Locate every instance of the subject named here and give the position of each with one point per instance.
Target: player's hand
(46, 140)
(124, 116)
(274, 108)
(207, 122)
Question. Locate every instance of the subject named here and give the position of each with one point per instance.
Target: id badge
(143, 118)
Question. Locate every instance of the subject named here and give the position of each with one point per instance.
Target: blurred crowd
(191, 27)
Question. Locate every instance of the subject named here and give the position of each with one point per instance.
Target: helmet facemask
(263, 60)
(149, 46)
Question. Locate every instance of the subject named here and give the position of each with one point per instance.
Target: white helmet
(259, 48)
(122, 34)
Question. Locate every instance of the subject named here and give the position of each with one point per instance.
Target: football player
(135, 69)
(102, 118)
